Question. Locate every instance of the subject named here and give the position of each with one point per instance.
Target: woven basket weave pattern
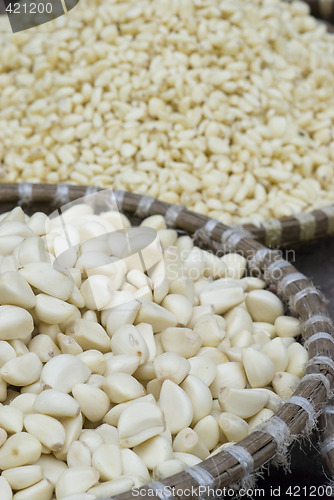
(297, 415)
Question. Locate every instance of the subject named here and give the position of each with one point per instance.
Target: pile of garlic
(174, 364)
(225, 106)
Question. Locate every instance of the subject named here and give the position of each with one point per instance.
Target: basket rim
(298, 414)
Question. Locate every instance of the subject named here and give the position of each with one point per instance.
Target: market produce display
(114, 373)
(223, 106)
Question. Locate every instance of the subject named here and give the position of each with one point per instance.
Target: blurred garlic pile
(114, 373)
(225, 106)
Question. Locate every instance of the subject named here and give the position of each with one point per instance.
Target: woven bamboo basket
(298, 415)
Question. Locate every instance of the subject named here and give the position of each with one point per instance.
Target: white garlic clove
(242, 402)
(76, 480)
(15, 290)
(15, 322)
(176, 406)
(139, 422)
(43, 276)
(94, 403)
(264, 306)
(63, 372)
(46, 429)
(258, 367)
(19, 449)
(23, 477)
(56, 404)
(23, 370)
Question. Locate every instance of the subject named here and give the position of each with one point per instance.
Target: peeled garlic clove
(128, 340)
(44, 347)
(188, 458)
(153, 387)
(52, 310)
(168, 468)
(97, 291)
(89, 335)
(73, 428)
(230, 374)
(112, 417)
(46, 429)
(106, 459)
(285, 384)
(244, 338)
(236, 265)
(133, 465)
(91, 438)
(111, 488)
(184, 286)
(156, 316)
(19, 347)
(287, 326)
(19, 449)
(121, 363)
(176, 406)
(264, 327)
(11, 419)
(41, 490)
(79, 455)
(234, 427)
(31, 249)
(23, 477)
(123, 314)
(51, 281)
(51, 467)
(109, 433)
(24, 403)
(170, 365)
(199, 395)
(56, 404)
(238, 319)
(76, 480)
(259, 418)
(182, 341)
(264, 306)
(277, 352)
(297, 359)
(187, 441)
(204, 368)
(23, 370)
(139, 422)
(15, 290)
(207, 430)
(210, 329)
(94, 403)
(94, 359)
(213, 353)
(68, 345)
(7, 352)
(63, 372)
(122, 387)
(180, 306)
(15, 322)
(274, 400)
(242, 402)
(258, 367)
(5, 489)
(222, 296)
(153, 451)
(146, 332)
